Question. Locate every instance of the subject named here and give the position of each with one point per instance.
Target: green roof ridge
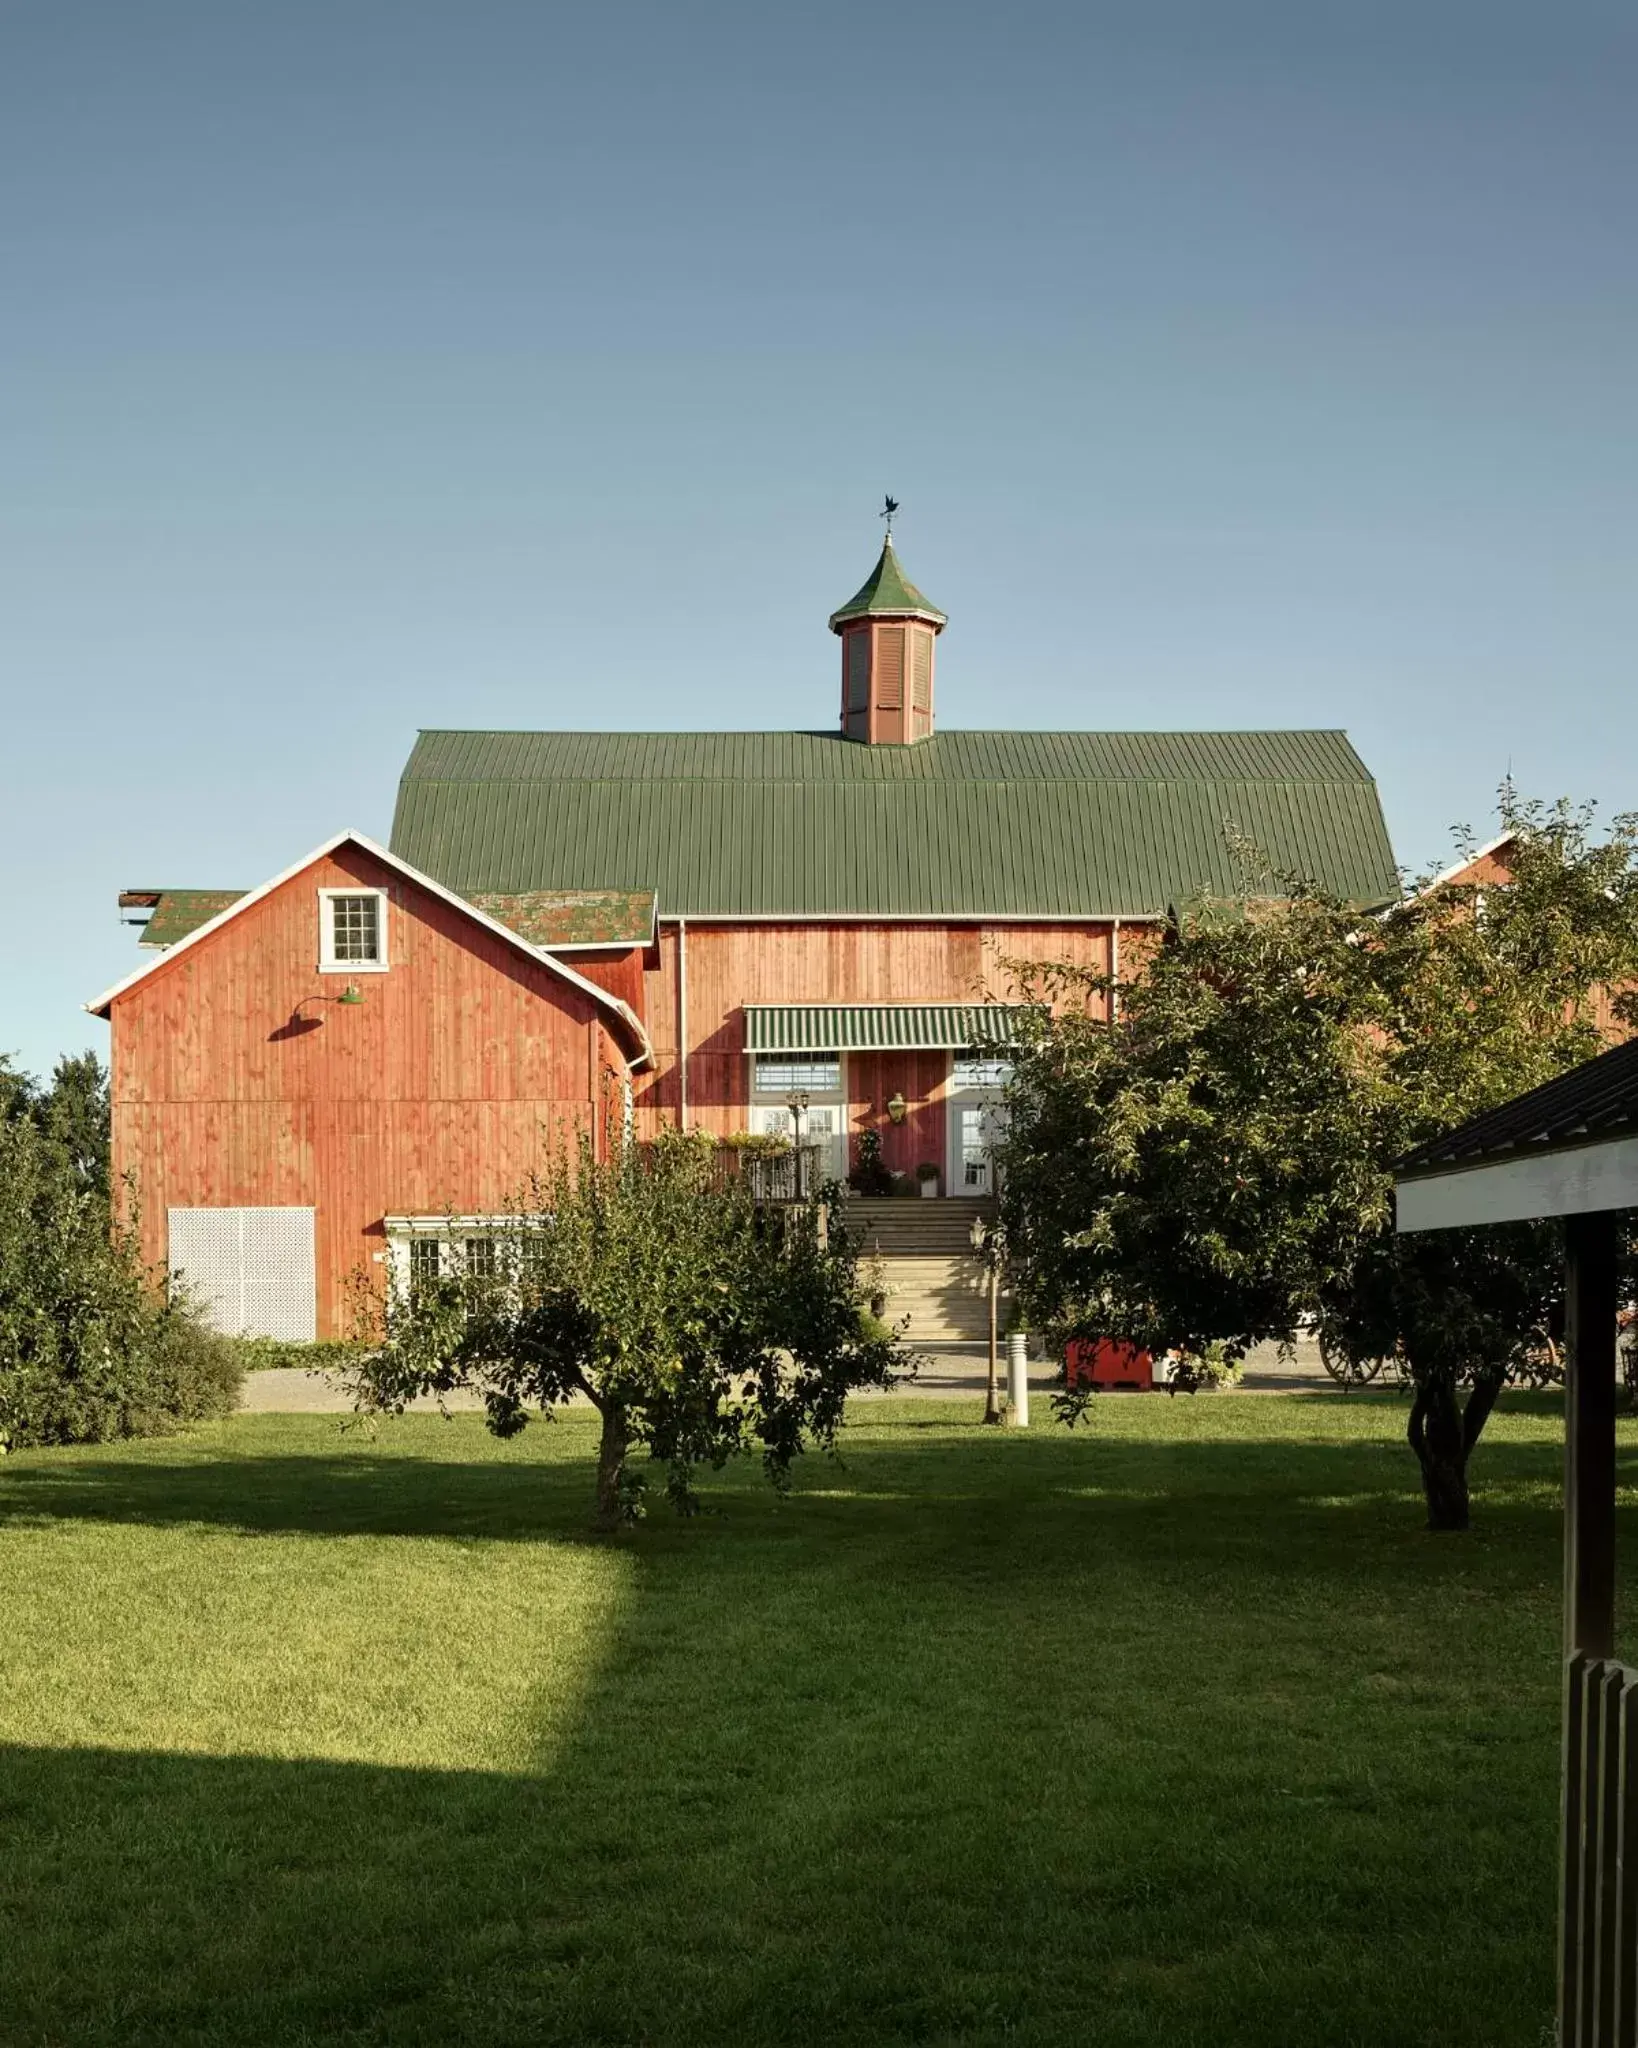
(886, 592)
(965, 824)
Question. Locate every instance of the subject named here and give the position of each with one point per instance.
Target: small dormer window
(352, 931)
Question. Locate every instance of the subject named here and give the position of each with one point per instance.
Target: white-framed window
(425, 1262)
(422, 1249)
(782, 1074)
(970, 1071)
(352, 931)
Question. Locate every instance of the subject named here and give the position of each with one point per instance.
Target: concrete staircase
(926, 1252)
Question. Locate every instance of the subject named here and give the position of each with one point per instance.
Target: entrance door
(970, 1149)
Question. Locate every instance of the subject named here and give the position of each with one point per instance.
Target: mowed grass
(1175, 1729)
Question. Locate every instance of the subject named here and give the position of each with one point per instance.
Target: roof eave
(850, 615)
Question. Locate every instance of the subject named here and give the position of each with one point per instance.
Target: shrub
(758, 1144)
(269, 1354)
(89, 1346)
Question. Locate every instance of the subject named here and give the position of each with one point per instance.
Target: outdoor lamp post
(989, 1243)
(797, 1104)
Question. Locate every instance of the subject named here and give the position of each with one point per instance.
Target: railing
(790, 1176)
(1598, 1899)
(780, 1176)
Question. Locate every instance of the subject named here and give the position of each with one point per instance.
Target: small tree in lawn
(698, 1325)
(1217, 1166)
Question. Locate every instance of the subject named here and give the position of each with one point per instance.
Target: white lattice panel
(250, 1270)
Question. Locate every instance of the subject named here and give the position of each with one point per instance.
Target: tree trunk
(1442, 1434)
(611, 1465)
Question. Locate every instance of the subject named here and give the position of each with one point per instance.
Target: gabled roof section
(887, 593)
(999, 825)
(575, 920)
(630, 1022)
(176, 912)
(1460, 871)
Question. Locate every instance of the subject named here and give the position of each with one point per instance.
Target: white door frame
(986, 1100)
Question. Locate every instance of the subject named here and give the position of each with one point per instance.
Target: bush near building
(91, 1347)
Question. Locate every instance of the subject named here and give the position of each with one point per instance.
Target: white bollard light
(1017, 1381)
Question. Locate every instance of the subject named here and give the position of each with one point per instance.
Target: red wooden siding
(730, 965)
(238, 1080)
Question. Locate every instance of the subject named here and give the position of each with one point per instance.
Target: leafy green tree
(74, 1114)
(91, 1346)
(698, 1325)
(1216, 1166)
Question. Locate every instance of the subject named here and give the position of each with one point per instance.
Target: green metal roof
(888, 592)
(878, 1027)
(963, 824)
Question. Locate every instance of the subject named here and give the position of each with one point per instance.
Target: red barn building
(310, 1076)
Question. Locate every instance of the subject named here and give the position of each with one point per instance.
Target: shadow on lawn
(945, 1749)
(901, 1504)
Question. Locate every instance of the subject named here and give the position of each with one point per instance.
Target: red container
(1107, 1363)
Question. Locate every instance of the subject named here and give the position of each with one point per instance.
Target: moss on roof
(573, 917)
(180, 911)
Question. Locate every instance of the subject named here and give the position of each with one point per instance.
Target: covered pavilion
(1570, 1149)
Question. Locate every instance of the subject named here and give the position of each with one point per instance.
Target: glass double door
(824, 1124)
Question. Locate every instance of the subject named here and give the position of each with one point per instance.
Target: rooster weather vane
(889, 507)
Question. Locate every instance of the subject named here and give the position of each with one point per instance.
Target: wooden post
(1589, 1433)
(1591, 1301)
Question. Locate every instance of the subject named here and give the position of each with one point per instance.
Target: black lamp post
(797, 1104)
(989, 1243)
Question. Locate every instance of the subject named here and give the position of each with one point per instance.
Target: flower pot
(929, 1188)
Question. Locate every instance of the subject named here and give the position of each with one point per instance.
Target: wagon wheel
(1538, 1361)
(1349, 1372)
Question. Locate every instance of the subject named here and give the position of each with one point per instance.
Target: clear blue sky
(370, 364)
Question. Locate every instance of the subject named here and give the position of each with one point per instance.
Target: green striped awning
(879, 1027)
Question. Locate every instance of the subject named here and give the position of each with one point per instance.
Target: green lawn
(1174, 1730)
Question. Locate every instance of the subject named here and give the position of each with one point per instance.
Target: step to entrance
(935, 1286)
(912, 1225)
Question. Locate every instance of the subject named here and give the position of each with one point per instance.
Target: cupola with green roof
(887, 630)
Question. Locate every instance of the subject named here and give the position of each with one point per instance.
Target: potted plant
(870, 1175)
(927, 1174)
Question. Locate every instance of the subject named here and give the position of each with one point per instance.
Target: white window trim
(776, 1096)
(328, 964)
(449, 1232)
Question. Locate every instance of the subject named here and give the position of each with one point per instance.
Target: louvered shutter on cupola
(890, 668)
(858, 670)
(921, 684)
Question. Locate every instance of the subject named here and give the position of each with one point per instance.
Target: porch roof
(1567, 1148)
(879, 1027)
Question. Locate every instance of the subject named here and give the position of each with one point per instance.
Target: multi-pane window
(858, 669)
(809, 1074)
(352, 928)
(424, 1262)
(979, 1070)
(480, 1258)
